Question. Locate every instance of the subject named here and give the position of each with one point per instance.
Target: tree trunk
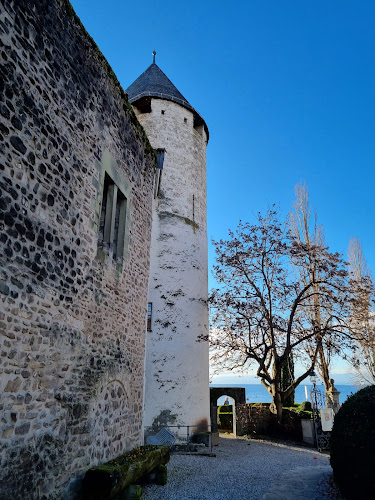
(276, 407)
(287, 378)
(324, 371)
(327, 381)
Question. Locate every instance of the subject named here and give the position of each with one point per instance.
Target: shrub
(303, 410)
(305, 406)
(225, 417)
(353, 445)
(225, 409)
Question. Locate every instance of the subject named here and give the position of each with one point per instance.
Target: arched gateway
(237, 393)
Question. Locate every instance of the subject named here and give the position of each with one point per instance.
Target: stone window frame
(112, 219)
(118, 188)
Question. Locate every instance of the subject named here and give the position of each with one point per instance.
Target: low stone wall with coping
(257, 420)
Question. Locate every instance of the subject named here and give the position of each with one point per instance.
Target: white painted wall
(177, 378)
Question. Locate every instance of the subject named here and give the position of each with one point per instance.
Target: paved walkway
(243, 469)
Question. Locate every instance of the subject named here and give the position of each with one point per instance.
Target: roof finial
(154, 54)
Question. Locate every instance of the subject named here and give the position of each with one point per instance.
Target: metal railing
(322, 438)
(188, 437)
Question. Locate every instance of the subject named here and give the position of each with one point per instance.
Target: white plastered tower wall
(177, 366)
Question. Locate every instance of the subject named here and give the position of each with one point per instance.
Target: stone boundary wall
(257, 420)
(253, 420)
(72, 317)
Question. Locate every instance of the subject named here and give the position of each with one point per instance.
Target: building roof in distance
(154, 83)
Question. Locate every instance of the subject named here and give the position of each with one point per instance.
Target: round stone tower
(177, 379)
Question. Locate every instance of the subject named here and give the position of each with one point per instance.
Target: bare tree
(312, 235)
(363, 316)
(261, 313)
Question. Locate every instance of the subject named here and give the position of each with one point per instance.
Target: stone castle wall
(72, 317)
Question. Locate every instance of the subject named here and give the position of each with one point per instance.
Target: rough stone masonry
(76, 174)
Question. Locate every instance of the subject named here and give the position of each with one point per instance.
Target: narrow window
(149, 316)
(119, 229)
(102, 214)
(105, 213)
(160, 153)
(159, 170)
(112, 219)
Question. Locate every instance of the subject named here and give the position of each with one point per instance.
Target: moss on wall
(127, 107)
(110, 479)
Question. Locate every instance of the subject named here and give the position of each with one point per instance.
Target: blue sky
(286, 89)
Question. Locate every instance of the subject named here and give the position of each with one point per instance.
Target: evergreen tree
(286, 380)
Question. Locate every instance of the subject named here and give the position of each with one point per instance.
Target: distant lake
(256, 393)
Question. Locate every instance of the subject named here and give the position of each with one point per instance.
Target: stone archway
(236, 393)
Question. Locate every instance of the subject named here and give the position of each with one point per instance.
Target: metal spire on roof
(154, 54)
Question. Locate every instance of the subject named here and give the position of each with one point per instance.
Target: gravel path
(244, 469)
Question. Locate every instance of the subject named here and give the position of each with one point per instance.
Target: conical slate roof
(154, 83)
